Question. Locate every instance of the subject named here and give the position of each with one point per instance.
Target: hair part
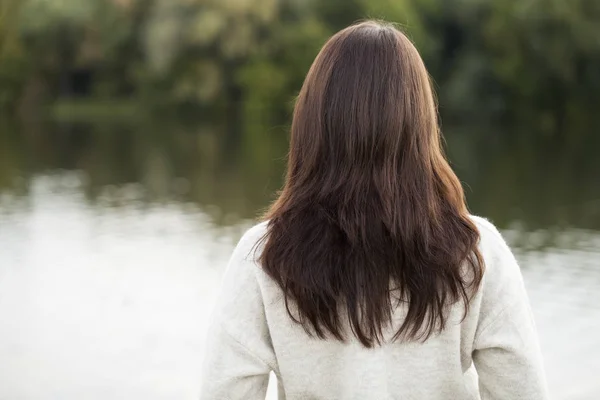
(371, 212)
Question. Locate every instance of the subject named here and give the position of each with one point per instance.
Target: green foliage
(12, 58)
(550, 55)
(533, 64)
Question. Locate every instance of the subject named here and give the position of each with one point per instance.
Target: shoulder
(244, 261)
(239, 310)
(502, 277)
(502, 296)
(250, 244)
(488, 232)
(492, 244)
(254, 235)
(240, 286)
(501, 267)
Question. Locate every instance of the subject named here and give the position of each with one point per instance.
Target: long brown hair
(370, 206)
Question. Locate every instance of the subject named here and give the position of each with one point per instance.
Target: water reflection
(114, 238)
(520, 184)
(152, 163)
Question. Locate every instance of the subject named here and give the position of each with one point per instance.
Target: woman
(368, 278)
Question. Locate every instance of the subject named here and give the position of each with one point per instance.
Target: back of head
(369, 201)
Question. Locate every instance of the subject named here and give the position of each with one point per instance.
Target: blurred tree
(116, 42)
(13, 62)
(53, 33)
(534, 64)
(546, 54)
(531, 64)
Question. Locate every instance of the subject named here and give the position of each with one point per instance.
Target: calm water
(114, 239)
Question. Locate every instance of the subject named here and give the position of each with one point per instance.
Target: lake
(114, 237)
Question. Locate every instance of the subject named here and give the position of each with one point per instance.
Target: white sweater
(251, 334)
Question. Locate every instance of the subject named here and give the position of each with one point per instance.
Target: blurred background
(140, 138)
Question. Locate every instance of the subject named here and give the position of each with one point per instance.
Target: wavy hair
(371, 215)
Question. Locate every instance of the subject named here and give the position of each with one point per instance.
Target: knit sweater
(492, 352)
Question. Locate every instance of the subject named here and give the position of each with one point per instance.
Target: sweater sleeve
(506, 351)
(239, 354)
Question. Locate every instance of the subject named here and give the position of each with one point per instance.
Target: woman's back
(252, 334)
(370, 278)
